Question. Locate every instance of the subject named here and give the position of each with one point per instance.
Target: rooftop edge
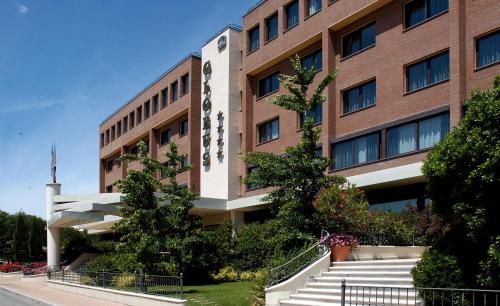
(229, 26)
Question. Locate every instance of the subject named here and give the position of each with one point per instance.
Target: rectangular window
(419, 135)
(488, 49)
(315, 58)
(184, 127)
(359, 39)
(316, 115)
(109, 189)
(134, 150)
(292, 14)
(269, 130)
(125, 124)
(156, 104)
(164, 97)
(102, 140)
(118, 128)
(356, 151)
(132, 119)
(139, 114)
(109, 165)
(107, 136)
(272, 27)
(253, 39)
(427, 72)
(313, 6)
(249, 185)
(417, 11)
(174, 89)
(185, 84)
(147, 110)
(360, 97)
(165, 137)
(113, 133)
(269, 84)
(184, 162)
(319, 151)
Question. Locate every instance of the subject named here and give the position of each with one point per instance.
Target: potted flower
(341, 245)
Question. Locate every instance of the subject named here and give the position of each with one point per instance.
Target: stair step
(356, 300)
(368, 273)
(297, 302)
(333, 286)
(408, 261)
(372, 267)
(375, 291)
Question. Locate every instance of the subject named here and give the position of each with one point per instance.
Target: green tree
(463, 174)
(36, 238)
(20, 239)
(297, 176)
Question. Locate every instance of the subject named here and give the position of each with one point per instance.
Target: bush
(124, 280)
(437, 270)
(489, 275)
(254, 246)
(258, 294)
(226, 274)
(101, 263)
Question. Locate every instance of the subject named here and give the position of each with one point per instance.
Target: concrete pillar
(237, 219)
(53, 233)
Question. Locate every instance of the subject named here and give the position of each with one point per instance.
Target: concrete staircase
(367, 283)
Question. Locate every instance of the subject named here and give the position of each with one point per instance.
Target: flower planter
(339, 252)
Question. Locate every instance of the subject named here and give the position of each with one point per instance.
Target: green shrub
(437, 270)
(253, 247)
(101, 263)
(124, 280)
(489, 275)
(226, 274)
(258, 294)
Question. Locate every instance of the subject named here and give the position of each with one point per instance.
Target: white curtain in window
(368, 93)
(433, 130)
(343, 155)
(314, 6)
(402, 139)
(417, 76)
(440, 68)
(488, 50)
(275, 129)
(366, 149)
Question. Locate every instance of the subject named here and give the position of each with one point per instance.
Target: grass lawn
(222, 294)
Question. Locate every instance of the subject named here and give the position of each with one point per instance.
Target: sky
(66, 65)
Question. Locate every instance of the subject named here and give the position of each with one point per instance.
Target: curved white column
(53, 233)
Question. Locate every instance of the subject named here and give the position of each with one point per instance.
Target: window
(119, 128)
(419, 135)
(184, 162)
(358, 40)
(109, 165)
(184, 127)
(107, 136)
(269, 130)
(292, 14)
(125, 124)
(272, 27)
(359, 97)
(163, 173)
(488, 49)
(269, 84)
(356, 151)
(319, 151)
(164, 97)
(418, 11)
(313, 6)
(165, 137)
(253, 39)
(147, 109)
(428, 72)
(314, 58)
(316, 115)
(132, 119)
(185, 84)
(174, 88)
(109, 189)
(134, 150)
(251, 186)
(156, 104)
(139, 114)
(102, 140)
(112, 133)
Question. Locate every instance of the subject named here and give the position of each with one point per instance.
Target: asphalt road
(8, 298)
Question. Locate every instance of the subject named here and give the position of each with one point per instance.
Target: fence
(371, 295)
(171, 286)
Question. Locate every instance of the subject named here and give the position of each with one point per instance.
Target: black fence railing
(377, 238)
(398, 296)
(171, 286)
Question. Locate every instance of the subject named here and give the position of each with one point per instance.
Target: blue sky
(66, 65)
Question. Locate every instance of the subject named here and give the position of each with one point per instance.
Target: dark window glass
(358, 40)
(319, 151)
(102, 140)
(292, 14)
(119, 128)
(249, 185)
(418, 11)
(134, 150)
(132, 119)
(125, 124)
(109, 189)
(156, 104)
(175, 90)
(356, 151)
(428, 71)
(165, 137)
(360, 97)
(184, 127)
(313, 58)
(402, 139)
(269, 84)
(488, 49)
(164, 97)
(184, 162)
(185, 84)
(139, 114)
(313, 6)
(253, 38)
(269, 130)
(316, 115)
(147, 110)
(272, 27)
(109, 165)
(112, 133)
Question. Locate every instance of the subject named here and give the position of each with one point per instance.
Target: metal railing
(375, 238)
(172, 286)
(298, 263)
(398, 296)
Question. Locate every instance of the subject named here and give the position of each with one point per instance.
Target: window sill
(291, 27)
(267, 95)
(252, 51)
(166, 143)
(425, 87)
(424, 21)
(331, 2)
(358, 110)
(313, 14)
(182, 135)
(267, 141)
(270, 40)
(486, 66)
(314, 125)
(357, 52)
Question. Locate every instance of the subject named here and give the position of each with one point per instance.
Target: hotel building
(404, 70)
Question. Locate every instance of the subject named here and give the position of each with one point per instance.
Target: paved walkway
(36, 289)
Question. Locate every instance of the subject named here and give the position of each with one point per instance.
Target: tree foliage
(298, 175)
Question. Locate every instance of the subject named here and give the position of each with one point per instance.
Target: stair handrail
(285, 271)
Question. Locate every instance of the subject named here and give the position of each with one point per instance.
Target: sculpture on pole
(53, 163)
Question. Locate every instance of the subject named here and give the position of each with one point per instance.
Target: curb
(32, 299)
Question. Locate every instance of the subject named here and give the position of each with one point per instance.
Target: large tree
(463, 174)
(299, 174)
(20, 239)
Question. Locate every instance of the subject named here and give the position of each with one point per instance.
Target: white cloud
(37, 105)
(22, 9)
